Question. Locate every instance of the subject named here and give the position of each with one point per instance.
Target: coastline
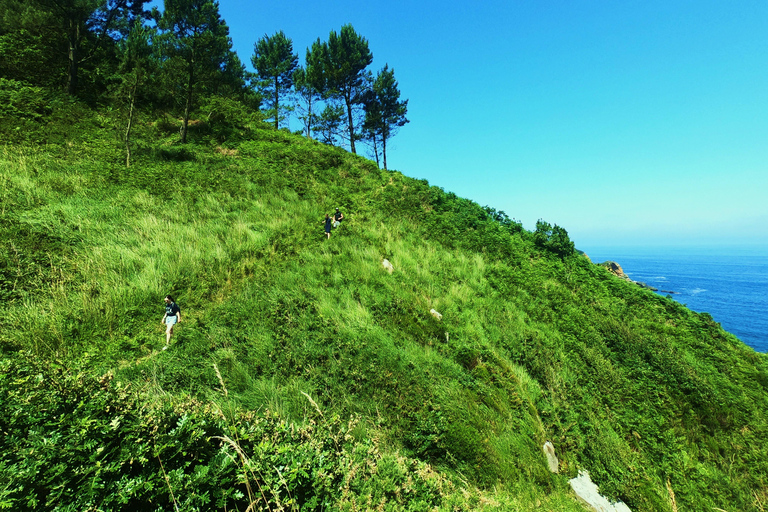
(730, 283)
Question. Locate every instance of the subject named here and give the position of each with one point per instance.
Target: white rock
(435, 314)
(387, 265)
(552, 462)
(585, 489)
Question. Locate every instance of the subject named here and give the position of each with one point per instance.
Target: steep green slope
(665, 409)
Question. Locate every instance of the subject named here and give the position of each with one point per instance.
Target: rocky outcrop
(585, 489)
(644, 285)
(615, 269)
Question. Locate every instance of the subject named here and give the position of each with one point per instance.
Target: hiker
(327, 226)
(171, 317)
(337, 218)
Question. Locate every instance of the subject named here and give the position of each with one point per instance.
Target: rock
(646, 286)
(387, 265)
(435, 314)
(552, 462)
(586, 490)
(614, 268)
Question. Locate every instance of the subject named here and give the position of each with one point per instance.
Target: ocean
(729, 284)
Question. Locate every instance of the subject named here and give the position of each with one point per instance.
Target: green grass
(308, 335)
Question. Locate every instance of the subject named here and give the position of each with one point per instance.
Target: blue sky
(627, 123)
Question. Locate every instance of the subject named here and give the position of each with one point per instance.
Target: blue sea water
(729, 284)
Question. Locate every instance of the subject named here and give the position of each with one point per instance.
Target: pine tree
(197, 51)
(384, 112)
(345, 59)
(67, 33)
(309, 84)
(329, 124)
(136, 66)
(275, 63)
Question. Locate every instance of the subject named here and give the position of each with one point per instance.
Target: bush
(71, 439)
(553, 238)
(21, 101)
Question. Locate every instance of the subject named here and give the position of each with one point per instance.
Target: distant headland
(616, 269)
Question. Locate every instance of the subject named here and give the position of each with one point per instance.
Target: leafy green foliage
(77, 442)
(345, 57)
(22, 102)
(27, 49)
(328, 125)
(87, 29)
(357, 394)
(384, 112)
(197, 53)
(275, 63)
(553, 238)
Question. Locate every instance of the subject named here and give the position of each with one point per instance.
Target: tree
(135, 67)
(384, 112)
(29, 52)
(197, 51)
(513, 225)
(553, 238)
(329, 124)
(74, 20)
(231, 81)
(75, 29)
(306, 96)
(275, 63)
(345, 58)
(309, 83)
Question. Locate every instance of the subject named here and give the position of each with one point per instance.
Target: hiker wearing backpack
(337, 218)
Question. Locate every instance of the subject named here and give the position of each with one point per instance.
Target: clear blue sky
(627, 123)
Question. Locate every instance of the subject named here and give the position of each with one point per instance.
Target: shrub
(74, 440)
(553, 238)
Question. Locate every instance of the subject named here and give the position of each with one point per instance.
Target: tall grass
(531, 347)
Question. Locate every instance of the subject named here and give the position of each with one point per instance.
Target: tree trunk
(309, 118)
(375, 148)
(187, 107)
(185, 121)
(74, 37)
(348, 100)
(384, 150)
(277, 110)
(130, 124)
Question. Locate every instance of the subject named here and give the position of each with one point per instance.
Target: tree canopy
(177, 60)
(553, 238)
(384, 112)
(345, 59)
(49, 41)
(197, 51)
(309, 83)
(275, 64)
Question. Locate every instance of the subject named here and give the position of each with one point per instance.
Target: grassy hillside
(304, 376)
